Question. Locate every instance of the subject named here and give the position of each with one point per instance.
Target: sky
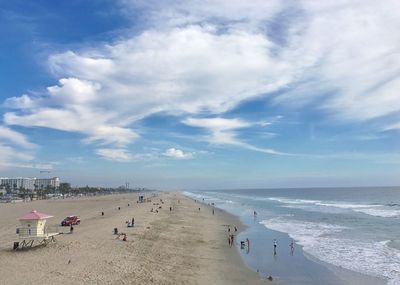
(201, 94)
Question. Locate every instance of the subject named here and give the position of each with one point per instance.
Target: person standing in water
(275, 245)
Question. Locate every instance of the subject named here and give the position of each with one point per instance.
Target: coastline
(299, 268)
(182, 246)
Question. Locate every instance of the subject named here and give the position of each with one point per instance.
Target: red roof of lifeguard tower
(35, 215)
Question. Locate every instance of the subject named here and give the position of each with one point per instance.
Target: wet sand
(182, 246)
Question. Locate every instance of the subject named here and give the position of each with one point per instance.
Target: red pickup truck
(71, 220)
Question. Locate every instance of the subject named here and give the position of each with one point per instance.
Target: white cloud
(234, 13)
(124, 155)
(395, 126)
(16, 151)
(217, 124)
(22, 102)
(70, 107)
(178, 153)
(102, 93)
(73, 91)
(121, 155)
(354, 51)
(223, 131)
(105, 91)
(15, 138)
(207, 57)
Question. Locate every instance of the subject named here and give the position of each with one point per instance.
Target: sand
(182, 246)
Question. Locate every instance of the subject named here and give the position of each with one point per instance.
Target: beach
(183, 245)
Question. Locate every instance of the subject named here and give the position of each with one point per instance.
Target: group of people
(231, 237)
(245, 245)
(130, 224)
(291, 245)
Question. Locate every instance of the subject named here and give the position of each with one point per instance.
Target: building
(33, 225)
(18, 183)
(29, 183)
(44, 183)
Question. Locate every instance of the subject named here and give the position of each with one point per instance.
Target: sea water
(353, 228)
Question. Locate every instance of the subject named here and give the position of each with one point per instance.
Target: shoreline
(299, 269)
(181, 246)
(235, 220)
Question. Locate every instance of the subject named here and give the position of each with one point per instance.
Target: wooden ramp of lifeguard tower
(33, 230)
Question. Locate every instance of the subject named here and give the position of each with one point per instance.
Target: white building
(43, 183)
(29, 183)
(18, 182)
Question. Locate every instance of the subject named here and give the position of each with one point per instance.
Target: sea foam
(377, 210)
(323, 241)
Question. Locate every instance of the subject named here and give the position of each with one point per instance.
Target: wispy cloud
(118, 154)
(16, 151)
(395, 126)
(15, 138)
(223, 131)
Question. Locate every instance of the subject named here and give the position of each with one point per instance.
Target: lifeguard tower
(33, 229)
(141, 199)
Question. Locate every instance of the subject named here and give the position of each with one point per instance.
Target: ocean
(355, 229)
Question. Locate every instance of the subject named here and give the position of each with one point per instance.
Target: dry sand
(184, 246)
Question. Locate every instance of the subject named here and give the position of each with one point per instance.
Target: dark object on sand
(119, 208)
(102, 213)
(115, 231)
(270, 278)
(71, 229)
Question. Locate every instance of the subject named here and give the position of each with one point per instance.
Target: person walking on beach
(213, 211)
(232, 238)
(275, 245)
(292, 247)
(133, 222)
(71, 229)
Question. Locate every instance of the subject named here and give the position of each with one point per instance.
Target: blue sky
(201, 94)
